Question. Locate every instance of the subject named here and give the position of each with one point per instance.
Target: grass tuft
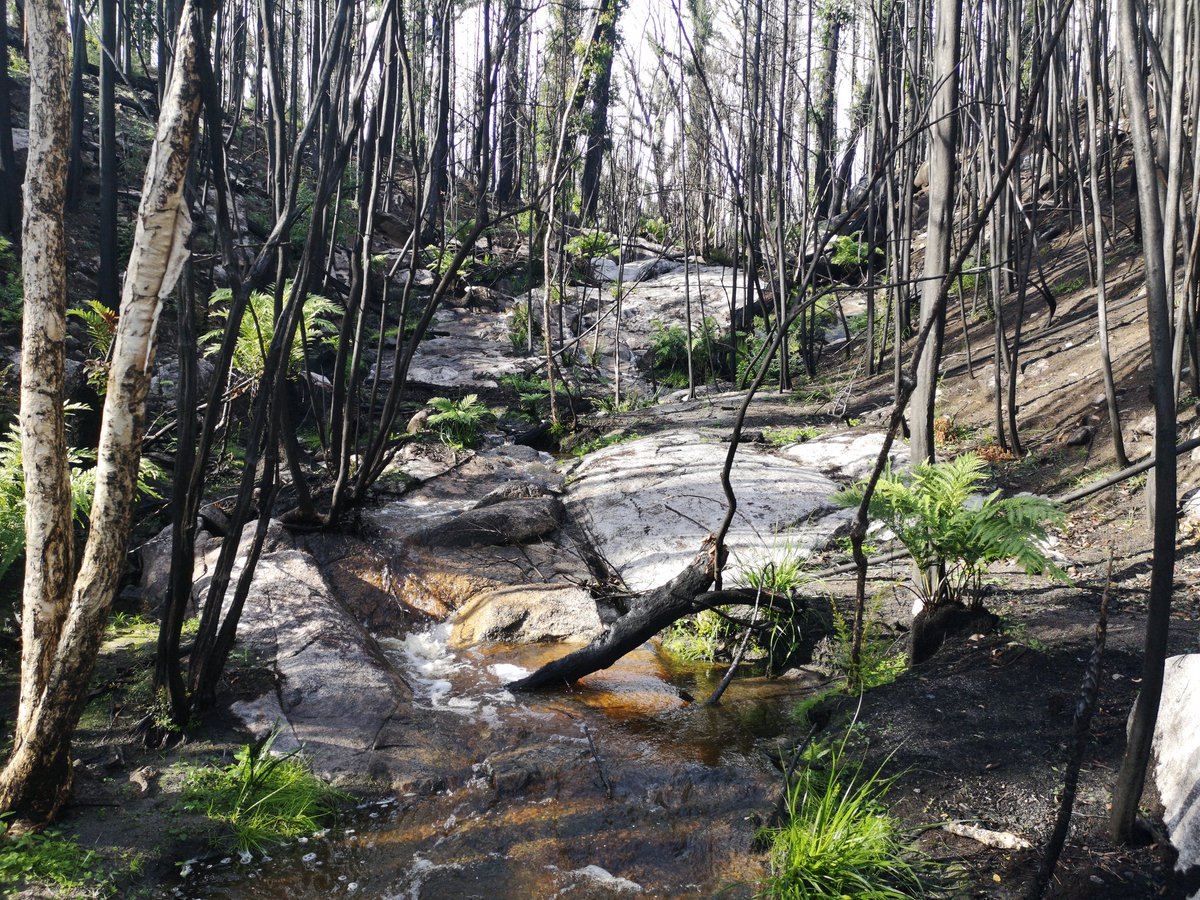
(839, 839)
(262, 799)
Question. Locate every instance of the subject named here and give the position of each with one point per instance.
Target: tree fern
(939, 517)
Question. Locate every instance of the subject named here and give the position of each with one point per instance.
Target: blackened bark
(599, 139)
(107, 290)
(652, 612)
(508, 184)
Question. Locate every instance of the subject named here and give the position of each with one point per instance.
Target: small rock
(143, 779)
(419, 420)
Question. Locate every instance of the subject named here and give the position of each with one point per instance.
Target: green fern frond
(257, 328)
(936, 512)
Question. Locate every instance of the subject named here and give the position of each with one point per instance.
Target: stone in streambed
(528, 613)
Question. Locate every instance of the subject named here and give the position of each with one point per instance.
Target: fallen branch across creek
(651, 612)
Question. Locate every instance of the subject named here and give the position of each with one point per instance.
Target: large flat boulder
(648, 504)
(845, 455)
(336, 691)
(1177, 756)
(526, 614)
(467, 349)
(497, 524)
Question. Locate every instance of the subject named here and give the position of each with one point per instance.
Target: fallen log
(649, 614)
(811, 619)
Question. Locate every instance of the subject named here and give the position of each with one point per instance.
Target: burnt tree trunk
(650, 613)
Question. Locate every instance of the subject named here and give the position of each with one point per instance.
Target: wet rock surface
(526, 613)
(335, 691)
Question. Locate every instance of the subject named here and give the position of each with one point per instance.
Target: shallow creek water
(622, 787)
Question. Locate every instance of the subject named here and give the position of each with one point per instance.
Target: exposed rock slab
(846, 455)
(647, 504)
(469, 350)
(497, 524)
(1177, 756)
(335, 688)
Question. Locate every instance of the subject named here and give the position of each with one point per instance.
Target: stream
(622, 787)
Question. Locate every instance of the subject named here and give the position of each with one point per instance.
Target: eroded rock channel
(391, 646)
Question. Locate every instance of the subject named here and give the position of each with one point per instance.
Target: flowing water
(623, 787)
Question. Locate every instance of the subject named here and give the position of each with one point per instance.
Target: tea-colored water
(623, 786)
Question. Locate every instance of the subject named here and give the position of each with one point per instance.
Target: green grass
(518, 328)
(794, 434)
(53, 859)
(631, 401)
(781, 572)
(1068, 287)
(261, 799)
(591, 245)
(600, 443)
(839, 840)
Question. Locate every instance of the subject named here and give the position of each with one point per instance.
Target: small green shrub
(49, 857)
(519, 324)
(849, 250)
(526, 222)
(953, 534)
(440, 259)
(628, 403)
(750, 346)
(101, 323)
(839, 839)
(261, 799)
(881, 659)
(655, 229)
(600, 443)
(532, 391)
(969, 281)
(591, 245)
(699, 637)
(458, 423)
(670, 346)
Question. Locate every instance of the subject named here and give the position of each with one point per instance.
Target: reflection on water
(533, 816)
